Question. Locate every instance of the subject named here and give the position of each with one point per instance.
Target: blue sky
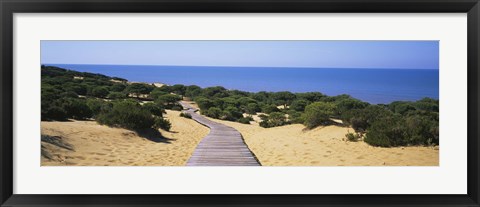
(322, 54)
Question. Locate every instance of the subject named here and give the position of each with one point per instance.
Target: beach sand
(291, 145)
(97, 145)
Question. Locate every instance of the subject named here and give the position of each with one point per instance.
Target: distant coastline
(371, 85)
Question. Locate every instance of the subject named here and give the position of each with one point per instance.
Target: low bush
(270, 108)
(231, 114)
(213, 112)
(138, 89)
(252, 108)
(118, 87)
(69, 94)
(318, 113)
(76, 108)
(299, 105)
(417, 127)
(156, 93)
(352, 137)
(162, 124)
(169, 101)
(98, 105)
(154, 108)
(176, 108)
(99, 91)
(53, 113)
(117, 95)
(127, 114)
(387, 132)
(186, 115)
(244, 120)
(295, 117)
(273, 120)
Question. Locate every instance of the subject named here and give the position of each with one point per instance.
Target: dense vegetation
(400, 123)
(111, 101)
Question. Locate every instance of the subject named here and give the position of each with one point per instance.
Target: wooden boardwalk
(223, 146)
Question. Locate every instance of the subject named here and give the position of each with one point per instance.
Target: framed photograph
(239, 103)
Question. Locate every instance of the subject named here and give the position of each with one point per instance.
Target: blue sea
(370, 85)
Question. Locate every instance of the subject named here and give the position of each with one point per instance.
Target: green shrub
(162, 123)
(100, 92)
(54, 113)
(227, 102)
(231, 113)
(204, 103)
(139, 88)
(311, 96)
(387, 132)
(177, 107)
(421, 130)
(127, 114)
(157, 92)
(186, 115)
(117, 95)
(345, 105)
(215, 92)
(283, 98)
(97, 106)
(76, 108)
(264, 124)
(274, 119)
(401, 107)
(270, 108)
(49, 94)
(69, 94)
(352, 137)
(193, 91)
(252, 108)
(244, 120)
(179, 89)
(427, 104)
(318, 113)
(295, 117)
(263, 117)
(360, 119)
(277, 119)
(169, 101)
(77, 88)
(415, 128)
(213, 112)
(299, 105)
(118, 87)
(154, 108)
(359, 124)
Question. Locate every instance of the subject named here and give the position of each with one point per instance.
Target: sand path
(223, 146)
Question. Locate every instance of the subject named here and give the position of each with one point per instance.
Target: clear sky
(324, 54)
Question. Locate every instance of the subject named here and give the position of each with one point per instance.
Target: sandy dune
(96, 145)
(324, 146)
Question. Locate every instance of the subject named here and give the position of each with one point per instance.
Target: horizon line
(219, 66)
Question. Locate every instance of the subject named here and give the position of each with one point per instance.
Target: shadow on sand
(154, 136)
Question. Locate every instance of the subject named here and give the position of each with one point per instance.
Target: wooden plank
(223, 146)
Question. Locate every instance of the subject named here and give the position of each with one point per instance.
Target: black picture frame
(10, 7)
